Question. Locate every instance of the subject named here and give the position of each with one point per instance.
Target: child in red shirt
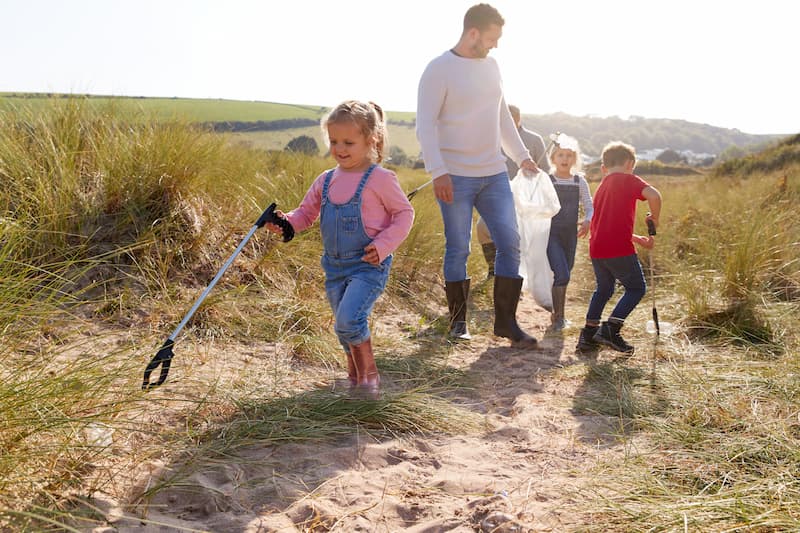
(611, 247)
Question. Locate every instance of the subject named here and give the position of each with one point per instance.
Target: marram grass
(712, 434)
(111, 224)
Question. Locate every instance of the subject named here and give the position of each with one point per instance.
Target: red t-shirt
(614, 214)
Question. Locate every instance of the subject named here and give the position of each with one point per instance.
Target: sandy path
(517, 475)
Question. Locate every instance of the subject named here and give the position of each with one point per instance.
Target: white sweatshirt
(462, 118)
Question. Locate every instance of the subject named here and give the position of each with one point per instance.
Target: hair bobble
(379, 110)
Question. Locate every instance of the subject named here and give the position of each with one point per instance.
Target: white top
(462, 118)
(584, 194)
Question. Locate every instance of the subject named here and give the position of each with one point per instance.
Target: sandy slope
(520, 474)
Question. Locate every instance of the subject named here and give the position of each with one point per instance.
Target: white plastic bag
(536, 202)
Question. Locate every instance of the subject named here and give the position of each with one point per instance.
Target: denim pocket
(349, 224)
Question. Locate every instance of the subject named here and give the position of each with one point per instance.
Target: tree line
(592, 132)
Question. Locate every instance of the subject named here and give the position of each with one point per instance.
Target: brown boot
(489, 253)
(368, 380)
(506, 298)
(457, 295)
(558, 322)
(352, 372)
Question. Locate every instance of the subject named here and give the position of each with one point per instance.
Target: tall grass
(111, 224)
(713, 432)
(743, 247)
(97, 181)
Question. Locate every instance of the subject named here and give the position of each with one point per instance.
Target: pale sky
(727, 64)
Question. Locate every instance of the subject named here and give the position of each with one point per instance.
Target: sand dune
(521, 473)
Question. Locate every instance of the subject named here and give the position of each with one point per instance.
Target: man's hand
(371, 255)
(530, 166)
(443, 188)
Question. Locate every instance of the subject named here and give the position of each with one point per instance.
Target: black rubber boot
(457, 295)
(489, 253)
(608, 334)
(586, 342)
(506, 298)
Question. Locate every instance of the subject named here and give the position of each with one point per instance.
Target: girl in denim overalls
(364, 216)
(573, 192)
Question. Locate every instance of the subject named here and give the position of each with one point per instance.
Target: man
(463, 124)
(532, 141)
(535, 145)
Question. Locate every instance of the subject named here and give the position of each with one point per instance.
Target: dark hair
(368, 116)
(481, 16)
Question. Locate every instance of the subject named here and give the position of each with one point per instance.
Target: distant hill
(778, 157)
(645, 133)
(251, 117)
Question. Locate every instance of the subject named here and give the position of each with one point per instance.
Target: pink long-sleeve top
(386, 212)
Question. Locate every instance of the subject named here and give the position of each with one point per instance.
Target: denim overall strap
(325, 185)
(341, 225)
(569, 196)
(362, 184)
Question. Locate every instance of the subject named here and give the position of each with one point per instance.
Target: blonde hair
(617, 153)
(577, 166)
(369, 118)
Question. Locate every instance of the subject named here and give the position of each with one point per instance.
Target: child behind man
(611, 247)
(573, 193)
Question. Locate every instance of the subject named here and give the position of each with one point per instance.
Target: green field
(190, 109)
(400, 136)
(219, 110)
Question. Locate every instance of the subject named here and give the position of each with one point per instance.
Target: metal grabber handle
(164, 355)
(651, 230)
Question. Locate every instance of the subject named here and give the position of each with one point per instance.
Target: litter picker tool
(164, 355)
(413, 193)
(651, 230)
(655, 325)
(554, 137)
(563, 141)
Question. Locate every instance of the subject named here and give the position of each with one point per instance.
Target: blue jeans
(493, 199)
(628, 271)
(352, 288)
(561, 247)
